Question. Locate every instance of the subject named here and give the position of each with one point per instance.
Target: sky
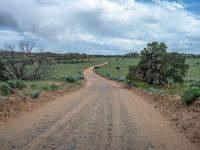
(102, 26)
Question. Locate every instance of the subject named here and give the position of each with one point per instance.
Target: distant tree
(22, 64)
(157, 66)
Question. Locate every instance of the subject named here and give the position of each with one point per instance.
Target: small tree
(24, 65)
(157, 66)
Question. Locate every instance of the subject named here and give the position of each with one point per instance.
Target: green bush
(69, 79)
(53, 87)
(20, 84)
(5, 89)
(117, 68)
(195, 84)
(33, 86)
(78, 77)
(16, 84)
(191, 95)
(45, 88)
(72, 79)
(35, 94)
(12, 83)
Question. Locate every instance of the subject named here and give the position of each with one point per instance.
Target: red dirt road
(102, 115)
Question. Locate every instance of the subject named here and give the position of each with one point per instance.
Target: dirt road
(102, 115)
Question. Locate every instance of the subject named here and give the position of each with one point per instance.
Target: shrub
(45, 88)
(78, 77)
(12, 83)
(74, 78)
(53, 87)
(108, 75)
(5, 89)
(191, 95)
(33, 86)
(117, 68)
(35, 94)
(195, 84)
(20, 84)
(69, 79)
(121, 79)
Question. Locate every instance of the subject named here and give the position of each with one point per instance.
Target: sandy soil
(102, 115)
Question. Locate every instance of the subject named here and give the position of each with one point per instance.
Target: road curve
(101, 116)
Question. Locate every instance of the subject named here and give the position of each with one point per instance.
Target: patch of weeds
(16, 84)
(12, 83)
(5, 89)
(45, 88)
(53, 87)
(117, 68)
(195, 84)
(75, 78)
(20, 84)
(33, 86)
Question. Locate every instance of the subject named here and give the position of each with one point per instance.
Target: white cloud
(122, 24)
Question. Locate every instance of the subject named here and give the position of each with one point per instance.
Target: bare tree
(23, 64)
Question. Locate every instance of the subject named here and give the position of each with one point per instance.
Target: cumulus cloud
(101, 26)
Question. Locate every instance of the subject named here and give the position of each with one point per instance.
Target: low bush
(16, 84)
(20, 84)
(195, 84)
(191, 95)
(53, 87)
(45, 88)
(33, 86)
(12, 83)
(78, 77)
(5, 89)
(69, 79)
(35, 94)
(117, 68)
(75, 78)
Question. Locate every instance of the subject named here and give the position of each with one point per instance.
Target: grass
(54, 78)
(60, 70)
(194, 71)
(110, 71)
(112, 67)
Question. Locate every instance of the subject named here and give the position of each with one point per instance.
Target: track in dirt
(102, 115)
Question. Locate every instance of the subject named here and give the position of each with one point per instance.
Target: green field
(60, 70)
(110, 71)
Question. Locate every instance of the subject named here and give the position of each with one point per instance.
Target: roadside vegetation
(26, 74)
(157, 71)
(29, 74)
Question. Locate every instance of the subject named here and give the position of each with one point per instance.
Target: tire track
(42, 137)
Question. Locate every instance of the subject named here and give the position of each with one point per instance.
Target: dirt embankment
(18, 103)
(184, 118)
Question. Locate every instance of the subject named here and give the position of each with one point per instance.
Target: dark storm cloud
(7, 21)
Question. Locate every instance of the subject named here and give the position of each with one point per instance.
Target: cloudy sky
(102, 26)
